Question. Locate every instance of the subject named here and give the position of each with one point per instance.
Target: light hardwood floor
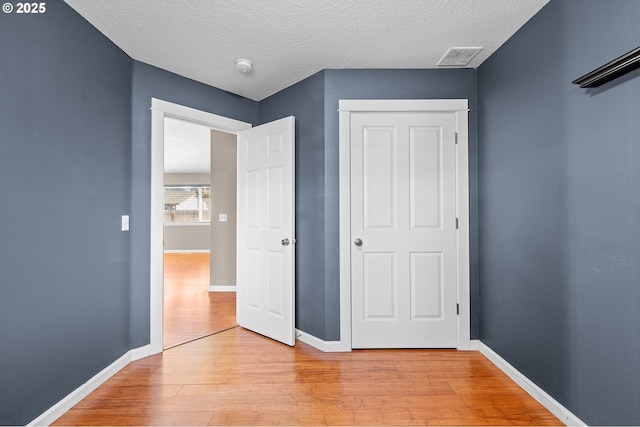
(190, 310)
(237, 377)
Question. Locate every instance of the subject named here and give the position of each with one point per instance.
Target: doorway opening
(199, 231)
(191, 272)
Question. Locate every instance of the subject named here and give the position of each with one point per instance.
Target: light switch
(125, 222)
(222, 218)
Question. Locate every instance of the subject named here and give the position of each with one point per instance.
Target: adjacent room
(199, 232)
(326, 122)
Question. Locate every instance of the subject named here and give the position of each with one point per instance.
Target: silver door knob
(357, 242)
(284, 242)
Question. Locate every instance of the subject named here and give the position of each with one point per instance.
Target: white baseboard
(326, 346)
(222, 288)
(73, 398)
(140, 352)
(530, 387)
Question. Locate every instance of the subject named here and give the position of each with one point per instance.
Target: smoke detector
(458, 56)
(244, 65)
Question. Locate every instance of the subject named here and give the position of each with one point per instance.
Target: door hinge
(456, 138)
(456, 223)
(458, 309)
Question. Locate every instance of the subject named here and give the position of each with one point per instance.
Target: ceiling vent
(458, 56)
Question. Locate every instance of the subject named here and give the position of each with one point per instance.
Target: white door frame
(159, 110)
(460, 108)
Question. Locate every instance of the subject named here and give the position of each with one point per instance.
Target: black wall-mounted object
(611, 70)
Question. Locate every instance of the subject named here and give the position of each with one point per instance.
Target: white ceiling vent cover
(458, 56)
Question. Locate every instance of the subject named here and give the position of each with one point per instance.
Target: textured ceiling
(289, 40)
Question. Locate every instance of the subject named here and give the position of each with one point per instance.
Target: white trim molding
(460, 108)
(403, 105)
(555, 407)
(325, 346)
(222, 288)
(140, 352)
(187, 224)
(159, 110)
(474, 345)
(73, 398)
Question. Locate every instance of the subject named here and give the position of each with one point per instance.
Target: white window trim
(187, 224)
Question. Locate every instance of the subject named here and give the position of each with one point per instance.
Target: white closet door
(403, 225)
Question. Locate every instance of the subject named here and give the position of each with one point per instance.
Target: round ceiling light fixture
(244, 65)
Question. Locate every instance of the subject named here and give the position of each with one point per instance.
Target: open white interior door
(266, 230)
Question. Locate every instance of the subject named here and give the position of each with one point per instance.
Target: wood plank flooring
(237, 377)
(190, 310)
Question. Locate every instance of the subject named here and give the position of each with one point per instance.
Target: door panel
(403, 212)
(266, 230)
(276, 185)
(379, 177)
(426, 285)
(275, 284)
(379, 286)
(425, 180)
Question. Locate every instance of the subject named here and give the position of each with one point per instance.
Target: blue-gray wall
(305, 101)
(65, 153)
(559, 214)
(554, 273)
(314, 102)
(151, 82)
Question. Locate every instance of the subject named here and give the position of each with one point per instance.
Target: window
(187, 204)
